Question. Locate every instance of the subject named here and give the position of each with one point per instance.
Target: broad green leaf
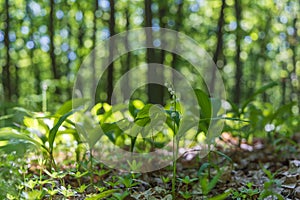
(18, 146)
(187, 123)
(282, 110)
(143, 116)
(144, 113)
(9, 133)
(53, 131)
(259, 91)
(6, 117)
(215, 106)
(21, 109)
(133, 110)
(68, 106)
(204, 103)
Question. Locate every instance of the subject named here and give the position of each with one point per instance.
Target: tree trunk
(93, 64)
(126, 85)
(112, 22)
(6, 77)
(239, 71)
(154, 95)
(294, 44)
(51, 34)
(263, 54)
(219, 47)
(160, 72)
(178, 24)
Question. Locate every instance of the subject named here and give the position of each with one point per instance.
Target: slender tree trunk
(69, 63)
(80, 37)
(93, 64)
(178, 24)
(6, 77)
(154, 95)
(219, 47)
(111, 53)
(126, 85)
(263, 53)
(239, 70)
(294, 43)
(160, 72)
(51, 33)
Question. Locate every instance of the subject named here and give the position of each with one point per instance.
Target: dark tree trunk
(178, 24)
(93, 64)
(154, 95)
(51, 33)
(263, 53)
(52, 48)
(6, 77)
(112, 22)
(160, 72)
(239, 71)
(219, 47)
(126, 85)
(80, 37)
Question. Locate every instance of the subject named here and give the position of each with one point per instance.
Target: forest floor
(262, 170)
(259, 171)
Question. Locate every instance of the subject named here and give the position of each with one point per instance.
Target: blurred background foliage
(43, 43)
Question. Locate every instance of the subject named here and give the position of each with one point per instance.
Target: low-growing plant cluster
(55, 156)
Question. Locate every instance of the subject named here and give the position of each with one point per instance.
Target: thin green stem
(91, 167)
(174, 170)
(174, 153)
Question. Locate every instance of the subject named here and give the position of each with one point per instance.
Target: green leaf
(133, 110)
(259, 91)
(6, 117)
(215, 106)
(204, 103)
(109, 129)
(187, 123)
(9, 133)
(144, 113)
(282, 110)
(173, 116)
(102, 194)
(221, 196)
(20, 147)
(29, 113)
(143, 116)
(53, 131)
(68, 106)
(214, 181)
(267, 172)
(203, 167)
(223, 155)
(265, 193)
